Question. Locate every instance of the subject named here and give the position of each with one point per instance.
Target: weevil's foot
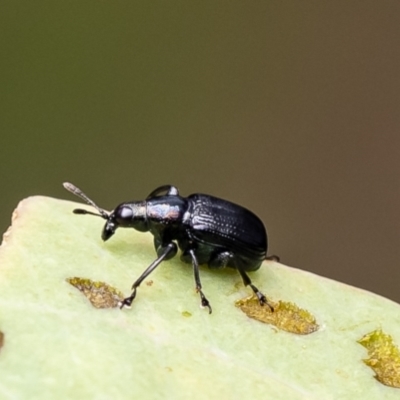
(263, 301)
(261, 298)
(205, 302)
(273, 258)
(126, 303)
(128, 300)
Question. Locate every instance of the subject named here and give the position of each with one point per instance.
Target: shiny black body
(210, 226)
(208, 230)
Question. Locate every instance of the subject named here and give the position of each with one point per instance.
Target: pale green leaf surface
(56, 345)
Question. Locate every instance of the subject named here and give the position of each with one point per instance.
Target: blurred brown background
(289, 108)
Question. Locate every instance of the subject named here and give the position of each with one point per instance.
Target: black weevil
(208, 230)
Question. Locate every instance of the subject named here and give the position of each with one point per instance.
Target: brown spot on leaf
(286, 316)
(383, 357)
(100, 294)
(1, 339)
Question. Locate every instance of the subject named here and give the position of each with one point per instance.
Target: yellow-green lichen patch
(100, 294)
(383, 357)
(186, 314)
(286, 316)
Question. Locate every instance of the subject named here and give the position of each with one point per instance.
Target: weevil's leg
(273, 258)
(204, 301)
(159, 245)
(166, 189)
(247, 282)
(219, 260)
(163, 253)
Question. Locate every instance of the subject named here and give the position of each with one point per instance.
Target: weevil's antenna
(78, 192)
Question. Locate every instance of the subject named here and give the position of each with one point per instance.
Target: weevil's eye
(123, 214)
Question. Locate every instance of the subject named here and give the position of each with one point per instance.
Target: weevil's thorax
(166, 213)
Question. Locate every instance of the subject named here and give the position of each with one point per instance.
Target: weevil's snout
(109, 229)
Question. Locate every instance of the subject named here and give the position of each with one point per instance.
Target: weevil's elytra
(207, 230)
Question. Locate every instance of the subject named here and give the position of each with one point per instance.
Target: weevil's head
(126, 215)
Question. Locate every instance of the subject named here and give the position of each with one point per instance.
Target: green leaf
(56, 344)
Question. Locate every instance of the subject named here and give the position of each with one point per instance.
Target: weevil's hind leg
(163, 252)
(204, 301)
(247, 282)
(273, 258)
(220, 259)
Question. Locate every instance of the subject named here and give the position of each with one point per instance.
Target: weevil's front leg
(163, 252)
